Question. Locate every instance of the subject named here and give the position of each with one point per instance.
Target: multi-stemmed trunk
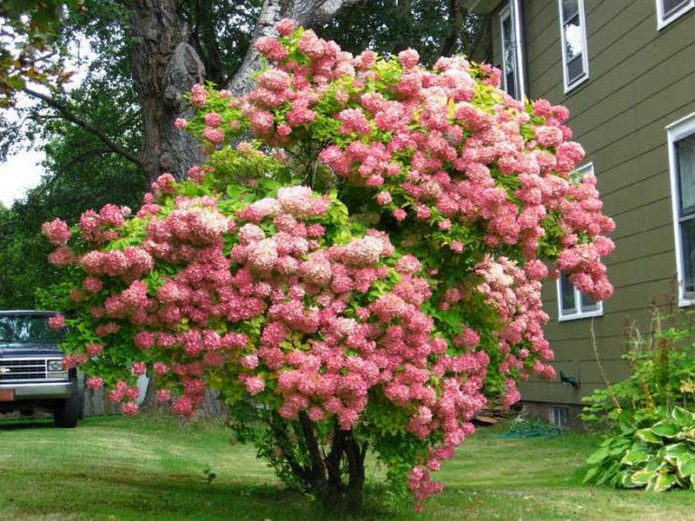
(331, 470)
(326, 471)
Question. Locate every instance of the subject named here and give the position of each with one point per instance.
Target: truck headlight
(55, 365)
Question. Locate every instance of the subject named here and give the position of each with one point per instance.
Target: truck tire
(67, 411)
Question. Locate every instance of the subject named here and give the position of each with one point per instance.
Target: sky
(19, 173)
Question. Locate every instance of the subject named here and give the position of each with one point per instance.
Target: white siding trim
(512, 10)
(585, 47)
(676, 131)
(662, 22)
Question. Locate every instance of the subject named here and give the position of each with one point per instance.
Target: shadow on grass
(148, 496)
(25, 423)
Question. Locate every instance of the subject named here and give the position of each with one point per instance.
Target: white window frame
(676, 131)
(578, 313)
(662, 20)
(512, 11)
(585, 47)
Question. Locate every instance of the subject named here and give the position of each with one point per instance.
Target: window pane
(685, 154)
(588, 304)
(509, 52)
(507, 40)
(511, 85)
(575, 69)
(569, 9)
(567, 295)
(688, 242)
(672, 5)
(573, 39)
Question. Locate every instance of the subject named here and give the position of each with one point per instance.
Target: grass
(151, 468)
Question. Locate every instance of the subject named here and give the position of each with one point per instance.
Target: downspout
(517, 14)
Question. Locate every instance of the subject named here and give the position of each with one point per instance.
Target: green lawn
(116, 468)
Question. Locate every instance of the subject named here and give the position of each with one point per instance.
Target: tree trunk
(164, 67)
(355, 491)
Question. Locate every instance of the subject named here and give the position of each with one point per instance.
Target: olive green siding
(640, 80)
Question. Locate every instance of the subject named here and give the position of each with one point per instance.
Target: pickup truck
(32, 373)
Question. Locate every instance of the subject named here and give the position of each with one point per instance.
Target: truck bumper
(40, 391)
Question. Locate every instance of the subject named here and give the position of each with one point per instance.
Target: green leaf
(665, 430)
(235, 191)
(687, 468)
(633, 457)
(590, 475)
(683, 417)
(597, 456)
(663, 482)
(642, 477)
(648, 436)
(16, 82)
(677, 450)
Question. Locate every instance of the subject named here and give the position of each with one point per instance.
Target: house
(626, 71)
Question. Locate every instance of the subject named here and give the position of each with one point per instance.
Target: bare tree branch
(70, 115)
(304, 12)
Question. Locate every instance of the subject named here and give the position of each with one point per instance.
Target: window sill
(585, 314)
(576, 83)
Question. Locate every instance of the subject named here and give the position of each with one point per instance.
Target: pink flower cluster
(129, 263)
(56, 231)
(433, 119)
(103, 226)
(56, 322)
(515, 292)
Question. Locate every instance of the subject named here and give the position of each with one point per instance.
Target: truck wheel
(67, 411)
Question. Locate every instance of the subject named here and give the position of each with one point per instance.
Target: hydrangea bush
(363, 271)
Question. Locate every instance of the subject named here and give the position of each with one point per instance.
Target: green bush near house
(650, 415)
(655, 456)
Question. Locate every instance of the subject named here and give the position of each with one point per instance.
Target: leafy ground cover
(151, 468)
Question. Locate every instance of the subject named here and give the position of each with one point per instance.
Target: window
(681, 151)
(669, 10)
(512, 56)
(559, 416)
(575, 58)
(572, 303)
